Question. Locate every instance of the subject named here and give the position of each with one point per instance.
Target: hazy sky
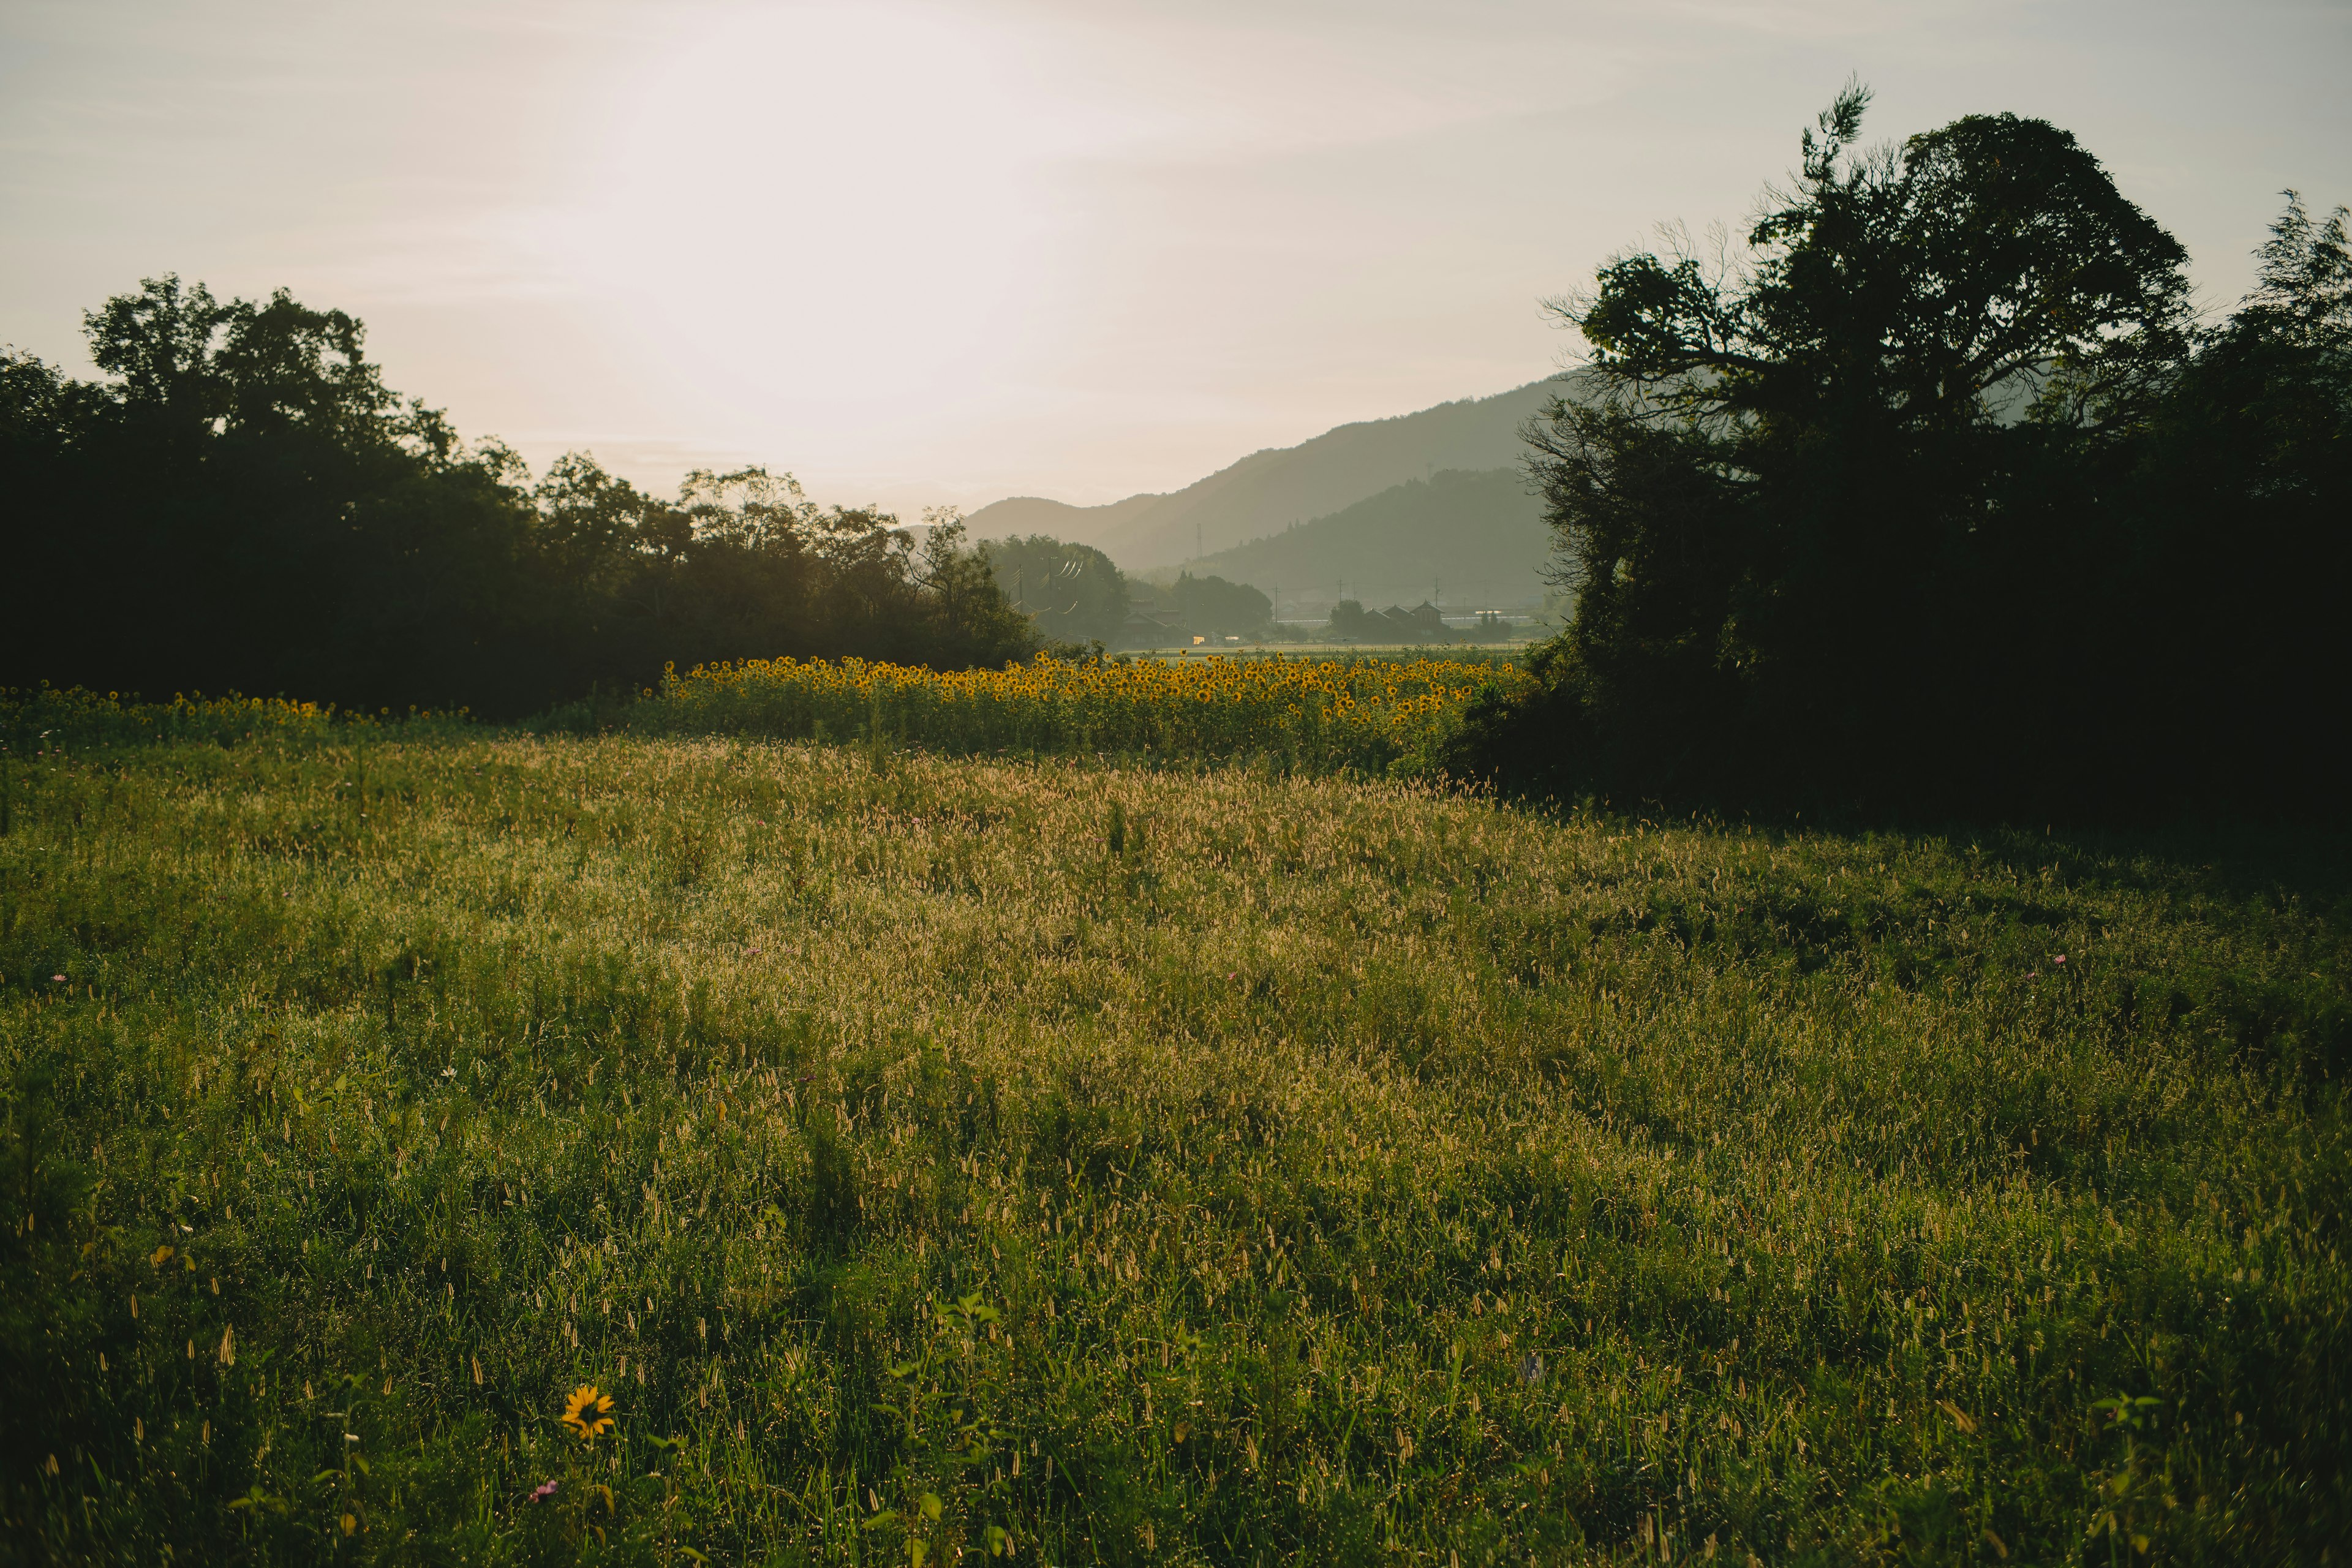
(922, 252)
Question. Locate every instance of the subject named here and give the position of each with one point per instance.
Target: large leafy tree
(1074, 593)
(2238, 566)
(243, 502)
(1848, 508)
(1213, 607)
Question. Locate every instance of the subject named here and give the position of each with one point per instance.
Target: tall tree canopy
(243, 504)
(1073, 593)
(1869, 510)
(1211, 607)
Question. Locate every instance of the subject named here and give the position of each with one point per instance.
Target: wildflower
(586, 1412)
(59, 978)
(448, 1072)
(541, 1492)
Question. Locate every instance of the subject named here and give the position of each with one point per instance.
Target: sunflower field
(39, 719)
(1364, 715)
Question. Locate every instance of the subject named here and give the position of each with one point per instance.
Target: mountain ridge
(1277, 487)
(1466, 540)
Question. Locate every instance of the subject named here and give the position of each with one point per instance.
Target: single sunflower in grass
(588, 1412)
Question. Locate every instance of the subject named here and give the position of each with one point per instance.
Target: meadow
(1095, 1161)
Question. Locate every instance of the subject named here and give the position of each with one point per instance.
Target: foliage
(2243, 478)
(243, 505)
(1115, 1169)
(1916, 502)
(1350, 619)
(1371, 715)
(1072, 591)
(1210, 606)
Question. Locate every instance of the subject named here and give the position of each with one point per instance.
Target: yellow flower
(587, 1412)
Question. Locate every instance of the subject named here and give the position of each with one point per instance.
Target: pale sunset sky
(923, 253)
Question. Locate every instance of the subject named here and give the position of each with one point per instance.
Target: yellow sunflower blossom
(588, 1412)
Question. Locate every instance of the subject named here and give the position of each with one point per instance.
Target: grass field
(935, 1158)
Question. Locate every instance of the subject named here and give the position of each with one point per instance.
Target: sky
(926, 254)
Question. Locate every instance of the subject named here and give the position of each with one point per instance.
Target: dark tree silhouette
(1863, 512)
(242, 504)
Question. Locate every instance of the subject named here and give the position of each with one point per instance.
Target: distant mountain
(1025, 515)
(1473, 540)
(1267, 491)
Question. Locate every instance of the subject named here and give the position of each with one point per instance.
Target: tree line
(1940, 494)
(241, 503)
(1077, 597)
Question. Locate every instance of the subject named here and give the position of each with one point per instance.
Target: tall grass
(1104, 1166)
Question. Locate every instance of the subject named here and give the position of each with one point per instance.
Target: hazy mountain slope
(1024, 515)
(1476, 539)
(1268, 490)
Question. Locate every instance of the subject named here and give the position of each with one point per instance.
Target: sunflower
(588, 1413)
